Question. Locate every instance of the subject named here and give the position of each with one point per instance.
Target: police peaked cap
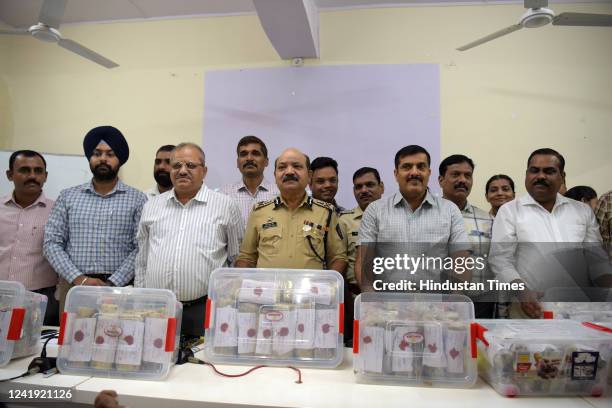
(112, 136)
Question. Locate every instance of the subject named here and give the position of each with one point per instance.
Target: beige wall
(534, 88)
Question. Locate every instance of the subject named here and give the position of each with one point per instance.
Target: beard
(163, 178)
(104, 172)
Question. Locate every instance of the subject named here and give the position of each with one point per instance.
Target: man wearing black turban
(90, 238)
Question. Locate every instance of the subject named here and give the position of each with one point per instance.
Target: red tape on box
(170, 334)
(14, 331)
(597, 327)
(477, 333)
(62, 332)
(341, 318)
(355, 336)
(207, 313)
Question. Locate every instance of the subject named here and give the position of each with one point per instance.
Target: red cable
(297, 370)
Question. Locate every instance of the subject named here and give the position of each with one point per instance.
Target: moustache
(419, 178)
(541, 183)
(290, 177)
(365, 195)
(249, 163)
(102, 165)
(32, 182)
(460, 185)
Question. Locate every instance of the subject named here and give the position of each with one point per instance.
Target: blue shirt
(88, 233)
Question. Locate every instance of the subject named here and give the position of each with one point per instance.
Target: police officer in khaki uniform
(367, 187)
(293, 230)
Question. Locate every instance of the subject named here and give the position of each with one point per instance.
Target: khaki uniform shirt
(349, 223)
(277, 237)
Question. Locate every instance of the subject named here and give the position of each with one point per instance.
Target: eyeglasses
(189, 165)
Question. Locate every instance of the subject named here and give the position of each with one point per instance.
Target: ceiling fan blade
(535, 3)
(15, 32)
(52, 12)
(583, 19)
(86, 53)
(490, 37)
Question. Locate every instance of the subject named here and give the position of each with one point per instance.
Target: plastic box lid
(414, 339)
(544, 357)
(21, 317)
(580, 304)
(275, 317)
(119, 332)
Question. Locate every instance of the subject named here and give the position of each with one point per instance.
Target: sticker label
(584, 365)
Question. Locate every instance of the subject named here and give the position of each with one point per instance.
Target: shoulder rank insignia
(262, 204)
(323, 204)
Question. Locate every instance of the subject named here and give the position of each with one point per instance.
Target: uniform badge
(270, 223)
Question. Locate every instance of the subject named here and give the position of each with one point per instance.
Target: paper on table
(108, 330)
(283, 340)
(371, 349)
(154, 340)
(455, 350)
(326, 329)
(247, 332)
(225, 327)
(433, 352)
(305, 328)
(129, 349)
(81, 339)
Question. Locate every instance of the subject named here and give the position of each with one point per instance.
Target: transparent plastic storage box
(21, 318)
(544, 357)
(580, 304)
(119, 332)
(414, 339)
(275, 317)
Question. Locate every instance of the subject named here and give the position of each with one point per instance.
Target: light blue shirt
(88, 233)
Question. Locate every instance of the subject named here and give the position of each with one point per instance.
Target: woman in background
(583, 193)
(498, 191)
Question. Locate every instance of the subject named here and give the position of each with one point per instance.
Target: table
(192, 385)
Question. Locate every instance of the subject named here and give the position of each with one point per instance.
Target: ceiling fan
(46, 30)
(539, 15)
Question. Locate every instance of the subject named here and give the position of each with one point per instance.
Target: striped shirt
(238, 191)
(21, 241)
(88, 233)
(180, 245)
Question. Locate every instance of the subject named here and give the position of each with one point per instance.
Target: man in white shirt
(161, 172)
(185, 234)
(533, 234)
(253, 187)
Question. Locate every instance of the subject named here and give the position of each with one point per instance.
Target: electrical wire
(32, 371)
(198, 361)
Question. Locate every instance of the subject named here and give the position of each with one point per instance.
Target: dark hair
(25, 153)
(252, 139)
(580, 193)
(365, 170)
(165, 148)
(307, 162)
(322, 162)
(549, 152)
(454, 159)
(409, 151)
(499, 177)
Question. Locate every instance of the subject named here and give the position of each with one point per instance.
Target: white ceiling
(23, 13)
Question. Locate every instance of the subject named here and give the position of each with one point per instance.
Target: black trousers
(52, 313)
(192, 323)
